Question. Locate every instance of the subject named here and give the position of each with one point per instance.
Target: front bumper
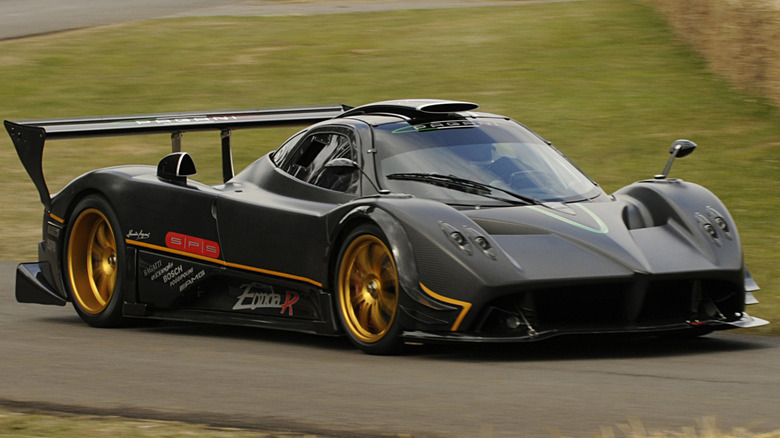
(529, 334)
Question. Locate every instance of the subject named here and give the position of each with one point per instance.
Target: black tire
(94, 263)
(368, 292)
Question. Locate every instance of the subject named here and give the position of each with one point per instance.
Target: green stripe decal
(603, 229)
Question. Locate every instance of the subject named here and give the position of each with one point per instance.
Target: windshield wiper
(463, 185)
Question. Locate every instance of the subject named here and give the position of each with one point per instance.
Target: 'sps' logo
(192, 245)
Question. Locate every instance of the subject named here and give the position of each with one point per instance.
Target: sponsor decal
(137, 235)
(190, 279)
(173, 274)
(153, 268)
(187, 120)
(446, 124)
(192, 245)
(260, 296)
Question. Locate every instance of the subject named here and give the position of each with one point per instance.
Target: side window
(284, 149)
(307, 162)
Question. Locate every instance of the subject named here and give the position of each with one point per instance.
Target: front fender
(448, 274)
(704, 219)
(400, 246)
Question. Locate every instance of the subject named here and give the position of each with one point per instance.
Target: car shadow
(243, 333)
(572, 347)
(584, 347)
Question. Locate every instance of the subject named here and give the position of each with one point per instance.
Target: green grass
(24, 423)
(16, 423)
(605, 80)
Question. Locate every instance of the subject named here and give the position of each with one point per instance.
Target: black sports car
(417, 220)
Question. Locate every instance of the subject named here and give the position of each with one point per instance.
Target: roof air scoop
(446, 107)
(413, 108)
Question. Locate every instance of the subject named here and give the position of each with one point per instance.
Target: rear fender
(51, 251)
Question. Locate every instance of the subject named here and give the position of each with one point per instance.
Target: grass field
(25, 423)
(605, 80)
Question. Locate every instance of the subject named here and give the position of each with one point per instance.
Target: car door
(174, 231)
(274, 224)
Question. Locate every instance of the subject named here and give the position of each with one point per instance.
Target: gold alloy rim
(368, 288)
(92, 261)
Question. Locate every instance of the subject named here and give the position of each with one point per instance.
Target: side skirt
(165, 287)
(224, 318)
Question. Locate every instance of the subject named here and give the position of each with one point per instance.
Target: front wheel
(94, 257)
(368, 292)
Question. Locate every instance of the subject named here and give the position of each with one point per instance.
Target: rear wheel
(368, 292)
(94, 263)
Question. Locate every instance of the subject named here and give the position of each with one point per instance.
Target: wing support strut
(227, 156)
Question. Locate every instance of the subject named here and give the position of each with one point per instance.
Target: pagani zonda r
(402, 220)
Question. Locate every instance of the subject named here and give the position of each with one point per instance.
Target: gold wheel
(92, 261)
(368, 288)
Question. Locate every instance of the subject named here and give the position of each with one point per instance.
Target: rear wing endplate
(29, 136)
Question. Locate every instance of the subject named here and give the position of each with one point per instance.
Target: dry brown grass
(739, 38)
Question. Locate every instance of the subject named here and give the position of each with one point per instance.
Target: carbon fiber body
(262, 249)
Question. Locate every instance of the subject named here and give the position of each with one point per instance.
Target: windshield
(498, 154)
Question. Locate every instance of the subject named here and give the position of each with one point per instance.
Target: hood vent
(499, 227)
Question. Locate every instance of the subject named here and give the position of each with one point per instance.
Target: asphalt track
(49, 359)
(259, 378)
(20, 18)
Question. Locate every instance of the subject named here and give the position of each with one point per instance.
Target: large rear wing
(29, 136)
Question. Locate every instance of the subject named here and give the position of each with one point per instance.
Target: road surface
(20, 18)
(268, 379)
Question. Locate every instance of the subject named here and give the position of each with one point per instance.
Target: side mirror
(176, 167)
(680, 148)
(342, 165)
(683, 148)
